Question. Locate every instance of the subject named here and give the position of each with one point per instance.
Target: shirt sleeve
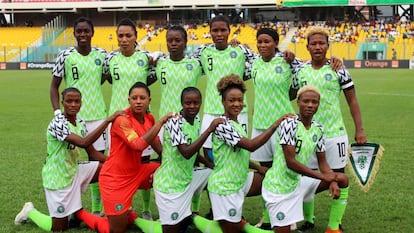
(59, 67)
(123, 128)
(227, 133)
(287, 131)
(250, 57)
(320, 147)
(174, 127)
(345, 80)
(59, 128)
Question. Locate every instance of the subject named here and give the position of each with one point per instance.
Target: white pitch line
(391, 94)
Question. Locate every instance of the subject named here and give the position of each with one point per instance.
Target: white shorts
(101, 143)
(208, 118)
(64, 202)
(229, 207)
(286, 209)
(264, 153)
(336, 153)
(174, 208)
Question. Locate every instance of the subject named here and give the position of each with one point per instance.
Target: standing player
(64, 177)
(175, 71)
(218, 60)
(124, 67)
(82, 67)
(176, 180)
(319, 73)
(289, 180)
(271, 76)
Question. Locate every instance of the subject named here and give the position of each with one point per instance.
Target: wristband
(57, 112)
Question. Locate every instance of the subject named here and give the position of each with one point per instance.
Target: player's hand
(282, 118)
(329, 177)
(289, 56)
(334, 191)
(115, 115)
(215, 123)
(168, 116)
(360, 137)
(262, 170)
(234, 43)
(336, 63)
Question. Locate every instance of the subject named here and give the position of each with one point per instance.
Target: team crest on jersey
(314, 138)
(61, 209)
(278, 70)
(328, 77)
(83, 133)
(118, 207)
(233, 54)
(174, 216)
(280, 216)
(232, 212)
(140, 63)
(189, 67)
(98, 62)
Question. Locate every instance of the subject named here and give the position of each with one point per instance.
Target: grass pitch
(386, 98)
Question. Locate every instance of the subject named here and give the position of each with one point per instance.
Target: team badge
(328, 77)
(140, 63)
(278, 70)
(280, 216)
(314, 138)
(61, 209)
(174, 216)
(233, 54)
(189, 67)
(118, 207)
(83, 133)
(98, 62)
(232, 212)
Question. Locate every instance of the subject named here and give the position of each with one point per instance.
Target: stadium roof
(135, 5)
(315, 3)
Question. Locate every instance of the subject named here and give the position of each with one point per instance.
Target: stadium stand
(16, 40)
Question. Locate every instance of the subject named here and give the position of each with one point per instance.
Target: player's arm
(260, 169)
(95, 155)
(54, 92)
(351, 98)
(258, 141)
(290, 156)
(206, 162)
(91, 137)
(189, 150)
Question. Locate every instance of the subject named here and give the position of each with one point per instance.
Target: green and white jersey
(174, 77)
(219, 63)
(231, 163)
(279, 178)
(330, 83)
(125, 72)
(271, 87)
(176, 172)
(84, 73)
(61, 162)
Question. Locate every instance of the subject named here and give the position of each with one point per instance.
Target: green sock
(146, 197)
(195, 203)
(252, 229)
(148, 226)
(338, 209)
(309, 211)
(265, 213)
(41, 220)
(96, 198)
(206, 225)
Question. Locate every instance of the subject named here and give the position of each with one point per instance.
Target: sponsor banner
(40, 65)
(396, 64)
